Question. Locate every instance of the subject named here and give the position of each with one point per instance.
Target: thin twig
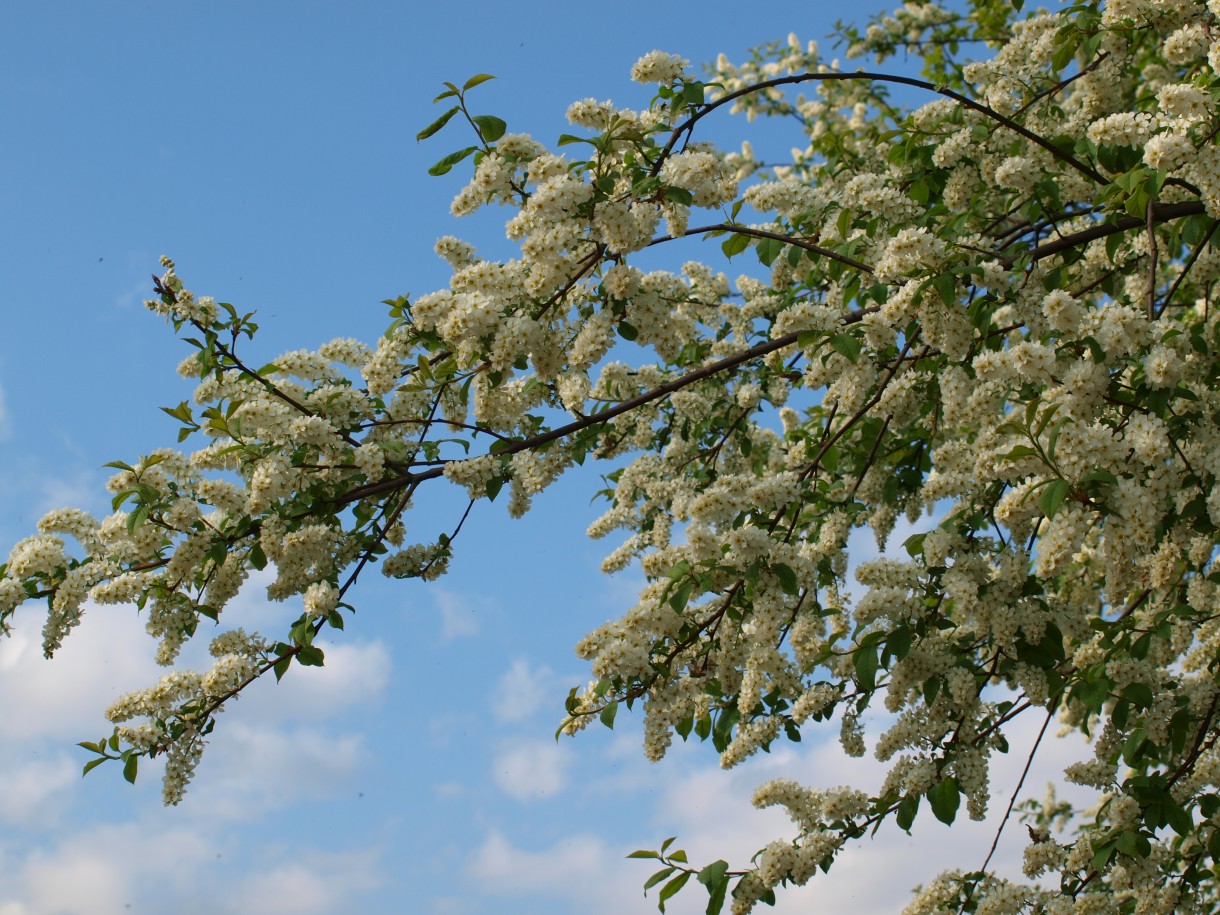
(1152, 260)
(1011, 804)
(763, 233)
(1186, 268)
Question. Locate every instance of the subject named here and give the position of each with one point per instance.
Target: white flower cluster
(658, 67)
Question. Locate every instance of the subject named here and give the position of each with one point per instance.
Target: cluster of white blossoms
(993, 316)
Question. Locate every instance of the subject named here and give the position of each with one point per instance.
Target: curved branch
(594, 419)
(1165, 212)
(1063, 156)
(763, 233)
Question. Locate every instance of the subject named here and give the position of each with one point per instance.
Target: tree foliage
(989, 313)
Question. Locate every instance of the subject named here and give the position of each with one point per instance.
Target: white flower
(658, 67)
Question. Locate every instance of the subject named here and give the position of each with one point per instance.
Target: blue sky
(269, 148)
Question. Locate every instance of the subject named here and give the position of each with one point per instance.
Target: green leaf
(1139, 693)
(476, 80)
(1102, 856)
(713, 873)
(671, 888)
(945, 798)
(768, 250)
(643, 853)
(627, 331)
(181, 412)
(716, 896)
(1179, 820)
(281, 667)
(137, 518)
(946, 287)
(258, 558)
(130, 767)
(847, 346)
(715, 878)
(658, 877)
(1021, 451)
(787, 578)
(681, 597)
(734, 244)
(865, 662)
(444, 165)
(692, 93)
(310, 656)
(679, 570)
(1053, 496)
(490, 127)
(437, 124)
(494, 485)
(684, 727)
(914, 545)
(91, 765)
(608, 713)
(908, 807)
(679, 195)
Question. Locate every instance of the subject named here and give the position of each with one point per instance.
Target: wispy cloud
(581, 870)
(523, 690)
(458, 614)
(531, 769)
(266, 755)
(133, 866)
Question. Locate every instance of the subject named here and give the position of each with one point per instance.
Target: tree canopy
(987, 311)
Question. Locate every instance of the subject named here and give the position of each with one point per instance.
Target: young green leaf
(671, 888)
(1053, 496)
(490, 127)
(437, 124)
(945, 797)
(444, 165)
(476, 80)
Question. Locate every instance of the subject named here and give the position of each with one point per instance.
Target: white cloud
(102, 868)
(256, 760)
(114, 869)
(252, 769)
(457, 613)
(65, 698)
(582, 870)
(529, 769)
(110, 654)
(445, 791)
(36, 790)
(313, 883)
(5, 427)
(354, 673)
(82, 489)
(523, 690)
